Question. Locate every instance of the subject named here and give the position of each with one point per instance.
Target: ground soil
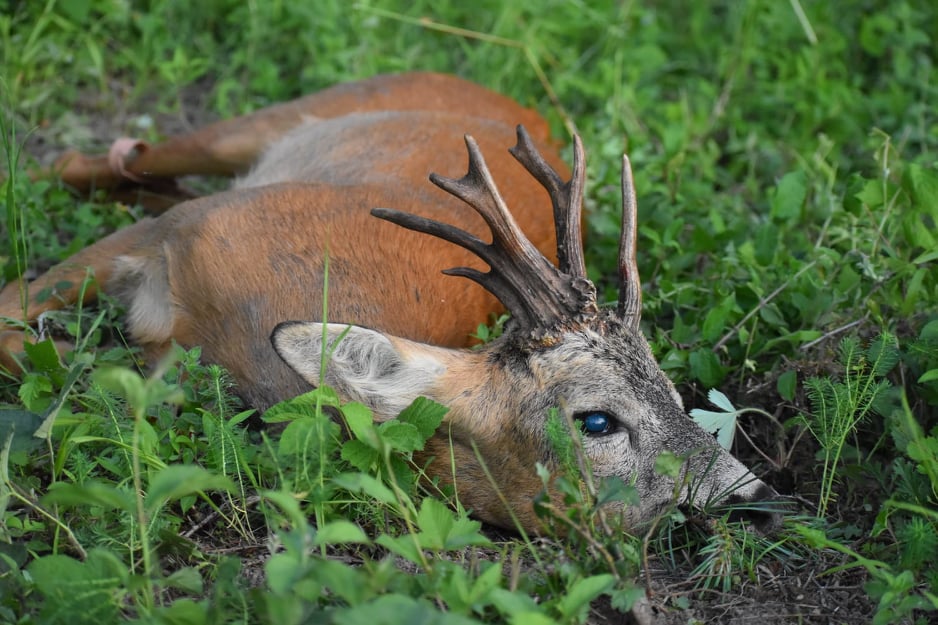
(801, 594)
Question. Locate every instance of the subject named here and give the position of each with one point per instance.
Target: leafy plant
(723, 424)
(895, 590)
(839, 406)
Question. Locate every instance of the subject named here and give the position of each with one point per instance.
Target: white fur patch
(384, 373)
(144, 289)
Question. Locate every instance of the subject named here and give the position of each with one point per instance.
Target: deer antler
(566, 197)
(630, 285)
(539, 296)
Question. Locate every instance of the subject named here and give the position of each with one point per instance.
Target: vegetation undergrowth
(785, 165)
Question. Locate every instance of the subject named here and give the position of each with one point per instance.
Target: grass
(785, 164)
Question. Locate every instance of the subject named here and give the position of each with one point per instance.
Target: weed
(839, 406)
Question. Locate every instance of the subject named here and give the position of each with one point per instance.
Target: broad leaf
(90, 493)
(424, 414)
(178, 480)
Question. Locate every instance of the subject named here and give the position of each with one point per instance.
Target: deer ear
(384, 372)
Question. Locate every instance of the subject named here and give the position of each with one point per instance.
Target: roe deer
(232, 272)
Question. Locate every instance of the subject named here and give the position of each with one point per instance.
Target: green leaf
(624, 598)
(706, 367)
(614, 488)
(35, 391)
(363, 483)
(288, 506)
(283, 570)
(360, 455)
(306, 436)
(721, 401)
(772, 315)
(926, 257)
(89, 493)
(929, 331)
(485, 583)
(399, 436)
(404, 546)
(302, 405)
(183, 611)
(766, 242)
(44, 357)
(874, 33)
(178, 480)
(360, 423)
(186, 579)
(531, 618)
(871, 194)
(351, 584)
(787, 384)
(424, 414)
(442, 528)
(669, 464)
(723, 424)
(77, 11)
(914, 291)
(20, 425)
(79, 592)
(928, 376)
(717, 319)
(789, 196)
(922, 184)
(577, 598)
(435, 521)
(140, 393)
(5, 487)
(397, 609)
(798, 337)
(75, 372)
(340, 532)
(513, 603)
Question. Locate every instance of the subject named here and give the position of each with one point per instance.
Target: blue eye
(595, 423)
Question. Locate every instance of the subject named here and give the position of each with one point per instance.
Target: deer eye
(595, 423)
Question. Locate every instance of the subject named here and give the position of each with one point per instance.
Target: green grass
(785, 162)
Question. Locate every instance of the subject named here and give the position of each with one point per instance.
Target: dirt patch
(806, 596)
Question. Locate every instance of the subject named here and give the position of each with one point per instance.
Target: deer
(241, 273)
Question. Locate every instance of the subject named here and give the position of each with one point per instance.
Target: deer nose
(763, 509)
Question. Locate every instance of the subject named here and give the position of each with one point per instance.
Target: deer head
(561, 350)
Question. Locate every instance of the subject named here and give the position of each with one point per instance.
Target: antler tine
(478, 190)
(566, 197)
(537, 294)
(495, 284)
(630, 286)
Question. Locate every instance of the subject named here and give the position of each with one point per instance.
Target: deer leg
(225, 148)
(231, 147)
(62, 286)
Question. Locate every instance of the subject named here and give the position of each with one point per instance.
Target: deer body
(240, 269)
(260, 249)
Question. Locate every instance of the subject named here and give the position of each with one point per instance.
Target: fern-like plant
(839, 405)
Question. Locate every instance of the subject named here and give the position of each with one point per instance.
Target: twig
(18, 493)
(214, 514)
(760, 305)
(832, 333)
(774, 464)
